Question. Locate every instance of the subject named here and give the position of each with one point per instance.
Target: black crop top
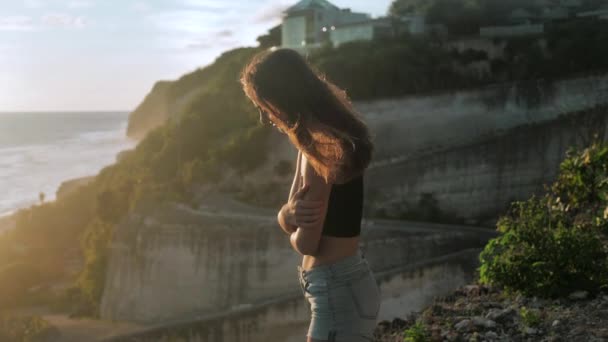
(345, 209)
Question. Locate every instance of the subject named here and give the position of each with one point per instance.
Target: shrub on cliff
(556, 244)
(91, 281)
(26, 329)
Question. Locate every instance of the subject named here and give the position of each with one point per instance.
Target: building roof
(310, 4)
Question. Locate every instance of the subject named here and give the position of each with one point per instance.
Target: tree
(460, 17)
(41, 197)
(272, 38)
(496, 12)
(406, 7)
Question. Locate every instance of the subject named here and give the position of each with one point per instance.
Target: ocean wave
(27, 170)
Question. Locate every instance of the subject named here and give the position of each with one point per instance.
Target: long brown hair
(317, 116)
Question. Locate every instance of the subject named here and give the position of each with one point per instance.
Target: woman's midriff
(331, 249)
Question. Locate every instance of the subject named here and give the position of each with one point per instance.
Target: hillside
(201, 132)
(402, 65)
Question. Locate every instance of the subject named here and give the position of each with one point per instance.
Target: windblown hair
(317, 116)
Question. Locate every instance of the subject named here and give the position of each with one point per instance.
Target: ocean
(39, 151)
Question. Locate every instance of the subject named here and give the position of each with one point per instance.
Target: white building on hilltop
(310, 22)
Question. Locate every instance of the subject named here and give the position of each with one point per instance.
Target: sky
(90, 55)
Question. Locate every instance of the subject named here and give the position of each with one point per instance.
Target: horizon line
(68, 111)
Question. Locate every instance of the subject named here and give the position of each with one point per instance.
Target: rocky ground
(481, 313)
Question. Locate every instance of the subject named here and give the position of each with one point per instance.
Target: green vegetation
(556, 244)
(416, 333)
(215, 132)
(408, 65)
(404, 65)
(272, 38)
(530, 317)
(464, 17)
(26, 329)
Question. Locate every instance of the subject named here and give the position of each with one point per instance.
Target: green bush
(556, 244)
(91, 281)
(416, 333)
(26, 329)
(15, 280)
(530, 317)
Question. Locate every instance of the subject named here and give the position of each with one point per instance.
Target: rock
(555, 323)
(474, 337)
(471, 288)
(577, 331)
(499, 315)
(452, 336)
(578, 295)
(491, 305)
(530, 331)
(484, 322)
(520, 299)
(490, 335)
(398, 324)
(475, 290)
(463, 325)
(383, 326)
(538, 303)
(494, 314)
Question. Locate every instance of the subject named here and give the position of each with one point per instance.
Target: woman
(323, 214)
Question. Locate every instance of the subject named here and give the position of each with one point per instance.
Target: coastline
(9, 221)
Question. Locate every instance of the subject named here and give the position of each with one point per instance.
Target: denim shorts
(343, 298)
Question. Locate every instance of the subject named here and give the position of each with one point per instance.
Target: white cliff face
(176, 262)
(473, 151)
(422, 124)
(164, 269)
(478, 181)
(286, 318)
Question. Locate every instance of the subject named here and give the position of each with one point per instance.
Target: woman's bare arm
(295, 185)
(297, 177)
(305, 240)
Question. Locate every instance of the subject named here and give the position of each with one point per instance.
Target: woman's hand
(302, 213)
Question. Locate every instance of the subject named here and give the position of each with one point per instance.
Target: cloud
(33, 4)
(222, 38)
(225, 33)
(62, 20)
(16, 23)
(141, 6)
(185, 21)
(207, 5)
(269, 14)
(76, 4)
